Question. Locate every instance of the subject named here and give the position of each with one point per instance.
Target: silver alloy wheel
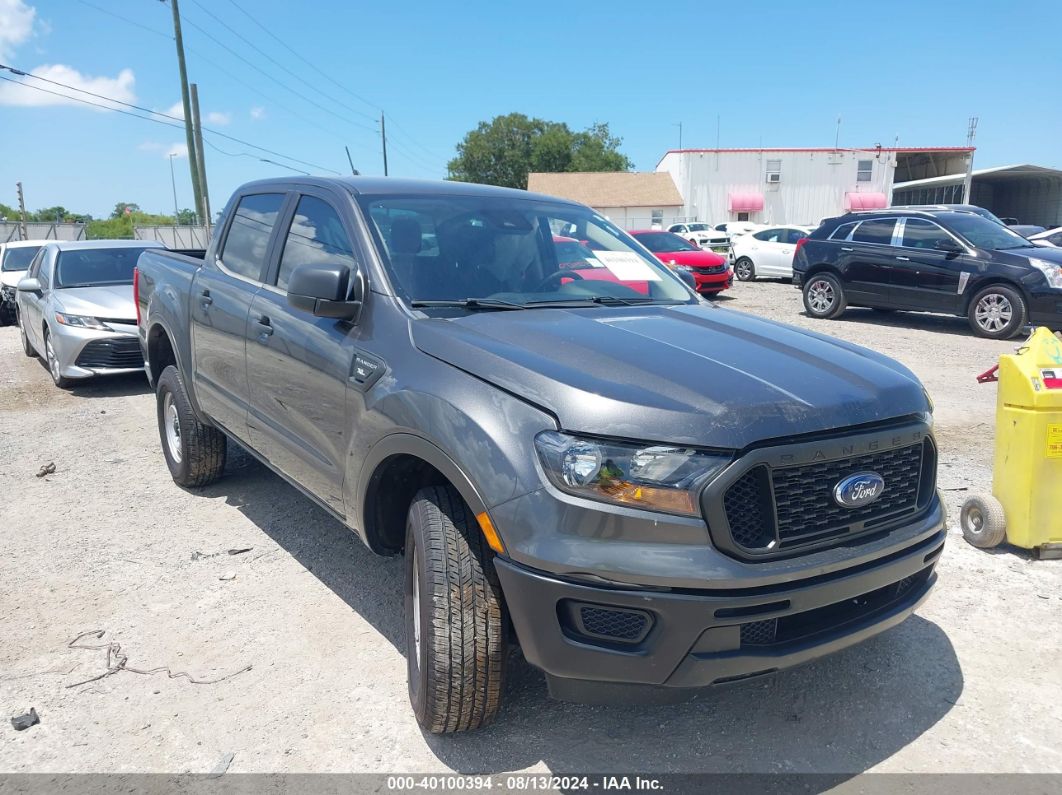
(53, 362)
(743, 270)
(994, 312)
(821, 296)
(416, 609)
(172, 423)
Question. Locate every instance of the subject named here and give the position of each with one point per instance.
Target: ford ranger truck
(647, 493)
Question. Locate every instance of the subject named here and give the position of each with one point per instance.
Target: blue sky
(776, 73)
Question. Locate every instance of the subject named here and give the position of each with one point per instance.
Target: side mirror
(327, 291)
(948, 246)
(29, 285)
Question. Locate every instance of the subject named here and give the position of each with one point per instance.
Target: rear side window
(843, 231)
(919, 233)
(248, 239)
(876, 231)
(316, 237)
(796, 234)
(771, 235)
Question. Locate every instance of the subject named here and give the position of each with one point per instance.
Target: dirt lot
(109, 543)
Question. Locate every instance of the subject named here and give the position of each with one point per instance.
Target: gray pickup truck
(574, 453)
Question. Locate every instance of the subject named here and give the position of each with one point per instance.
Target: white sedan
(768, 252)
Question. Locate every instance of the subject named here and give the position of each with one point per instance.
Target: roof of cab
(397, 186)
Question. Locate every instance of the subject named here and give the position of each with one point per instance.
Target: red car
(711, 272)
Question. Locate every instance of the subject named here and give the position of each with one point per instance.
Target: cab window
(919, 233)
(878, 230)
(247, 243)
(316, 237)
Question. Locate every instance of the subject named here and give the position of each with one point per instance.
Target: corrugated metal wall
(812, 186)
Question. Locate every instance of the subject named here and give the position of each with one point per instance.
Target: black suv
(933, 261)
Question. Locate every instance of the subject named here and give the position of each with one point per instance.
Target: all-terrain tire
(456, 626)
(824, 296)
(195, 452)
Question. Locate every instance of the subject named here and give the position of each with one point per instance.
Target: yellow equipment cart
(1026, 509)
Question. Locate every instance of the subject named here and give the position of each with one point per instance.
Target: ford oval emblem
(858, 490)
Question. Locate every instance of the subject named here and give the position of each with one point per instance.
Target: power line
(173, 120)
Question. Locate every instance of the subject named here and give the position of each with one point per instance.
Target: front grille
(711, 269)
(775, 509)
(117, 353)
(759, 633)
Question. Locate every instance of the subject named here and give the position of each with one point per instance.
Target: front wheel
(997, 312)
(744, 270)
(824, 297)
(455, 620)
(27, 346)
(195, 452)
(54, 368)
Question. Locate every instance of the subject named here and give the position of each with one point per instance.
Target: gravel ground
(109, 543)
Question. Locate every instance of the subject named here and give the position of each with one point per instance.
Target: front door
(925, 277)
(31, 305)
(299, 364)
(220, 302)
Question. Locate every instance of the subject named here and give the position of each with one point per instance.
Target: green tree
(121, 207)
(186, 217)
(506, 149)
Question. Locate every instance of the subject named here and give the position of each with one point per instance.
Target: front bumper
(693, 638)
(713, 283)
(84, 353)
(1045, 308)
(7, 299)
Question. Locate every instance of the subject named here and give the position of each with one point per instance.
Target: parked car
(710, 272)
(703, 236)
(935, 261)
(647, 493)
(15, 258)
(735, 229)
(75, 308)
(1025, 230)
(1051, 238)
(768, 252)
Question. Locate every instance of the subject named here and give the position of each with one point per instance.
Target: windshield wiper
(600, 300)
(469, 303)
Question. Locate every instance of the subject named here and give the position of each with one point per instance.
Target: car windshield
(96, 267)
(701, 228)
(982, 233)
(18, 259)
(500, 253)
(659, 242)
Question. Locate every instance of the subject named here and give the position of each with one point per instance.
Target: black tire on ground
(195, 452)
(983, 521)
(27, 347)
(454, 615)
(51, 363)
(824, 297)
(744, 270)
(989, 311)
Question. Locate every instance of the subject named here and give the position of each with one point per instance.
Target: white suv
(703, 236)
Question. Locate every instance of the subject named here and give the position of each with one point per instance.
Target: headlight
(1052, 271)
(80, 321)
(652, 477)
(683, 268)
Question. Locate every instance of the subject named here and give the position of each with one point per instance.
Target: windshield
(18, 259)
(981, 211)
(660, 242)
(96, 267)
(513, 253)
(701, 228)
(982, 233)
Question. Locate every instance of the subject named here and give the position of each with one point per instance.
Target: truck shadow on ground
(839, 716)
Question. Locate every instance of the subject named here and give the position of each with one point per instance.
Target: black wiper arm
(469, 303)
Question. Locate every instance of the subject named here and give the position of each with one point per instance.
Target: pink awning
(746, 202)
(865, 201)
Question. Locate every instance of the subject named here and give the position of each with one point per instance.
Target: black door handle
(265, 328)
(205, 299)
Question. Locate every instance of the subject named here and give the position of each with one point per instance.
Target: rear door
(298, 364)
(785, 264)
(923, 277)
(220, 303)
(869, 262)
(764, 249)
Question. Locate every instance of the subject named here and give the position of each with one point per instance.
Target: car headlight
(683, 268)
(1052, 271)
(652, 477)
(80, 321)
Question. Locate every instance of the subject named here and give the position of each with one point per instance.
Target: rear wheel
(824, 297)
(195, 452)
(52, 360)
(456, 644)
(983, 521)
(997, 312)
(744, 270)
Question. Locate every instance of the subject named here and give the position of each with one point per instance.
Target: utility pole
(200, 158)
(173, 182)
(383, 138)
(967, 183)
(193, 164)
(350, 160)
(837, 137)
(21, 212)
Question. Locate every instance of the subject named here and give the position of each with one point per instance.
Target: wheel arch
(992, 281)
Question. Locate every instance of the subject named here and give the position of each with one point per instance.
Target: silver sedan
(75, 308)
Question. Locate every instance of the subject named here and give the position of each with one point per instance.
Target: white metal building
(631, 200)
(797, 186)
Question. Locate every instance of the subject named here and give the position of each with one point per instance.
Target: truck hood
(112, 302)
(680, 374)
